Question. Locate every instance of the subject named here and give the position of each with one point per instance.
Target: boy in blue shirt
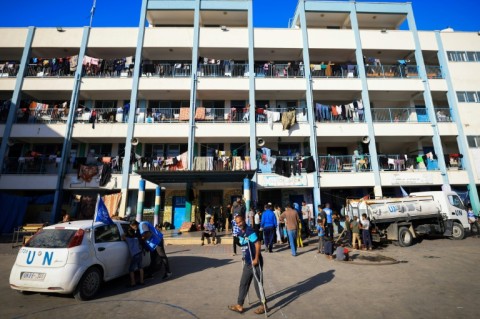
(321, 236)
(135, 256)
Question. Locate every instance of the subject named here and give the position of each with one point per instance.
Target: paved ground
(436, 278)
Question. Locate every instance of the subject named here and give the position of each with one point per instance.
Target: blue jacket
(268, 219)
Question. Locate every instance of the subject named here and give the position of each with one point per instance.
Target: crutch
(257, 279)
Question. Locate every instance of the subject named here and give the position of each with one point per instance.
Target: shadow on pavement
(179, 265)
(287, 295)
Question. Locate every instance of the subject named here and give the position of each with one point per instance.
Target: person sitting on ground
(209, 230)
(341, 253)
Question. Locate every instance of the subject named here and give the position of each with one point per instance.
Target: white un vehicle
(68, 258)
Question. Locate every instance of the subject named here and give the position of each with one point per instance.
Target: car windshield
(51, 238)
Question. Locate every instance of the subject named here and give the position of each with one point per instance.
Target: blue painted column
(372, 149)
(310, 113)
(251, 100)
(427, 96)
(157, 205)
(140, 200)
(246, 193)
(15, 102)
(67, 142)
(461, 138)
(133, 108)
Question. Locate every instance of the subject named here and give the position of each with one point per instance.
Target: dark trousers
(268, 233)
(367, 241)
(236, 242)
(246, 280)
(159, 252)
(329, 230)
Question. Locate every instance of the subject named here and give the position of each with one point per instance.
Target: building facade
(350, 100)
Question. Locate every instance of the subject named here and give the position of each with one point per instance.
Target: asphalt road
(437, 278)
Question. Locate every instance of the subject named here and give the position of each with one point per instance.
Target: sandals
(260, 310)
(235, 308)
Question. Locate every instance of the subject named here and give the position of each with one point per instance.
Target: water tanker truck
(406, 218)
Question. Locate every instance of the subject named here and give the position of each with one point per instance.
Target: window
(288, 149)
(107, 233)
(210, 149)
(173, 150)
(468, 97)
(105, 104)
(473, 141)
(461, 56)
(101, 149)
(52, 238)
(456, 201)
(238, 149)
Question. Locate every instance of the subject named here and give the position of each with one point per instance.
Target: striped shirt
(235, 228)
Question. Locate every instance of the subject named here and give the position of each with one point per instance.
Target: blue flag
(101, 213)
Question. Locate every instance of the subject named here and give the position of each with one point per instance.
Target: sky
(461, 15)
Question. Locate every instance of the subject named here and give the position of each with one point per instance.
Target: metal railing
(344, 163)
(165, 70)
(40, 71)
(400, 115)
(396, 162)
(31, 165)
(9, 70)
(279, 71)
(391, 71)
(226, 163)
(335, 71)
(225, 70)
(301, 114)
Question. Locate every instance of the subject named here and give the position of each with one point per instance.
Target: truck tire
(405, 237)
(88, 285)
(458, 232)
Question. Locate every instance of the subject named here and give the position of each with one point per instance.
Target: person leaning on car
(153, 240)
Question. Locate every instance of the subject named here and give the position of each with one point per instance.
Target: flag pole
(94, 216)
(92, 12)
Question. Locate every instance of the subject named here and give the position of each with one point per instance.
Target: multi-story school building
(349, 100)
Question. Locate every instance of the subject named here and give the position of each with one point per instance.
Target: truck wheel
(458, 232)
(88, 285)
(405, 237)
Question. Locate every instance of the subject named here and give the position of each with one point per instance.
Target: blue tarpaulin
(13, 209)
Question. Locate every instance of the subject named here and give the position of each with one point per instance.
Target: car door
(111, 251)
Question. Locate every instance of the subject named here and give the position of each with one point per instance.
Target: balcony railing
(344, 163)
(279, 71)
(165, 70)
(261, 115)
(335, 71)
(391, 71)
(395, 162)
(225, 70)
(409, 115)
(8, 69)
(400, 115)
(225, 163)
(40, 71)
(31, 165)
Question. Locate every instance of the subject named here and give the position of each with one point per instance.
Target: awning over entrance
(161, 177)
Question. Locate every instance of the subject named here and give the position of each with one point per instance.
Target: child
(136, 256)
(321, 235)
(328, 248)
(341, 253)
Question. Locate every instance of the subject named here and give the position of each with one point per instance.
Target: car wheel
(405, 237)
(88, 285)
(458, 232)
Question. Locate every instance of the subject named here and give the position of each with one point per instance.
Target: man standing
(252, 267)
(292, 220)
(269, 225)
(153, 240)
(307, 218)
(329, 221)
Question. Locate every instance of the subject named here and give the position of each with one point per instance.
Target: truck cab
(452, 210)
